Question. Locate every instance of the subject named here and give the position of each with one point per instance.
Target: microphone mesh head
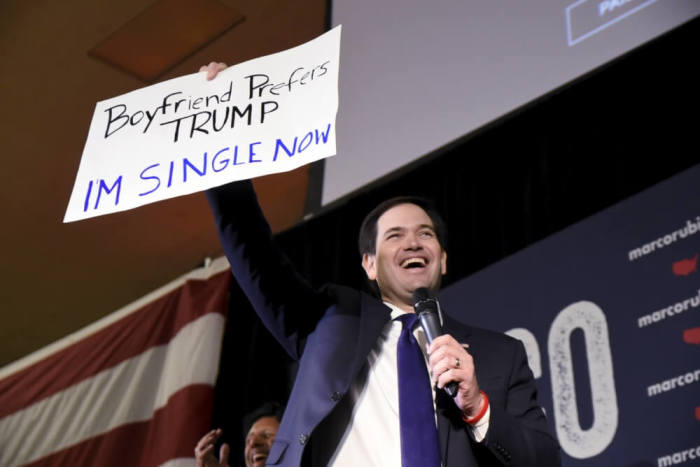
(420, 294)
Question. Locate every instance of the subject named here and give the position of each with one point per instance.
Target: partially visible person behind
(260, 427)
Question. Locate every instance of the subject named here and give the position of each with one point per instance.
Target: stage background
(606, 317)
(417, 75)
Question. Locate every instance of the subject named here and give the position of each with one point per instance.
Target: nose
(412, 242)
(254, 440)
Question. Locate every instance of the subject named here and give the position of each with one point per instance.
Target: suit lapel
(373, 316)
(443, 422)
(450, 424)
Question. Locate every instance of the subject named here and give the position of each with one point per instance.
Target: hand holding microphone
(427, 310)
(450, 363)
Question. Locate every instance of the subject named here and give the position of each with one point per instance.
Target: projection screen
(416, 75)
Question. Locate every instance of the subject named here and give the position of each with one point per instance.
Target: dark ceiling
(60, 277)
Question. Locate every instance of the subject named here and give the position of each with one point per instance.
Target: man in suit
(343, 409)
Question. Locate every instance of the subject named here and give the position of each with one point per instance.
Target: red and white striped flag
(133, 389)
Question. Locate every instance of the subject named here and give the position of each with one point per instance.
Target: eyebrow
(401, 229)
(393, 229)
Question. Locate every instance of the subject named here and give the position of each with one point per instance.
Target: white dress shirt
(372, 437)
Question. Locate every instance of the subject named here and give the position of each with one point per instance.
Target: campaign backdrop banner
(267, 115)
(609, 312)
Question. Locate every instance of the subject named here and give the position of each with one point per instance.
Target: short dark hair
(367, 240)
(268, 409)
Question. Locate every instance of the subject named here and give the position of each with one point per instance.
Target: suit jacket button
(336, 396)
(303, 438)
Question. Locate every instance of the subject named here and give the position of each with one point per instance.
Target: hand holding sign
(268, 115)
(213, 69)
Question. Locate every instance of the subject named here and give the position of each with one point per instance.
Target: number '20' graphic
(589, 318)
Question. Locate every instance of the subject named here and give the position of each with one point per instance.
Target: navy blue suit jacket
(331, 331)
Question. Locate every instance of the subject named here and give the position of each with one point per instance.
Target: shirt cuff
(480, 428)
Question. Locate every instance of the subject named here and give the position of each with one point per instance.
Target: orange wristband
(482, 412)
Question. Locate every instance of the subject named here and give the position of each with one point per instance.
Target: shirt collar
(396, 311)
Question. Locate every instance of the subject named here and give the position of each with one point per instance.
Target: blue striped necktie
(419, 437)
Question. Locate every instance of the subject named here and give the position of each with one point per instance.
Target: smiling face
(407, 256)
(259, 440)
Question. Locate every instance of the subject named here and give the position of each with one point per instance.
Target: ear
(443, 262)
(369, 264)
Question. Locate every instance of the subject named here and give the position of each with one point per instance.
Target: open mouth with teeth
(414, 263)
(259, 458)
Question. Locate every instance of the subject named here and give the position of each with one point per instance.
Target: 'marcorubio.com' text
(673, 383)
(690, 454)
(690, 228)
(671, 310)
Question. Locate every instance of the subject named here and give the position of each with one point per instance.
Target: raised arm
(285, 302)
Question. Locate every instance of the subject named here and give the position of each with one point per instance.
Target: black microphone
(426, 307)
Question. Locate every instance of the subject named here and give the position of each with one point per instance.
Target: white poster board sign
(267, 115)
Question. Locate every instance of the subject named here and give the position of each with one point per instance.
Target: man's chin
(422, 283)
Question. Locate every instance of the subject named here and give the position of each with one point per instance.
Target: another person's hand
(213, 69)
(449, 361)
(204, 451)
